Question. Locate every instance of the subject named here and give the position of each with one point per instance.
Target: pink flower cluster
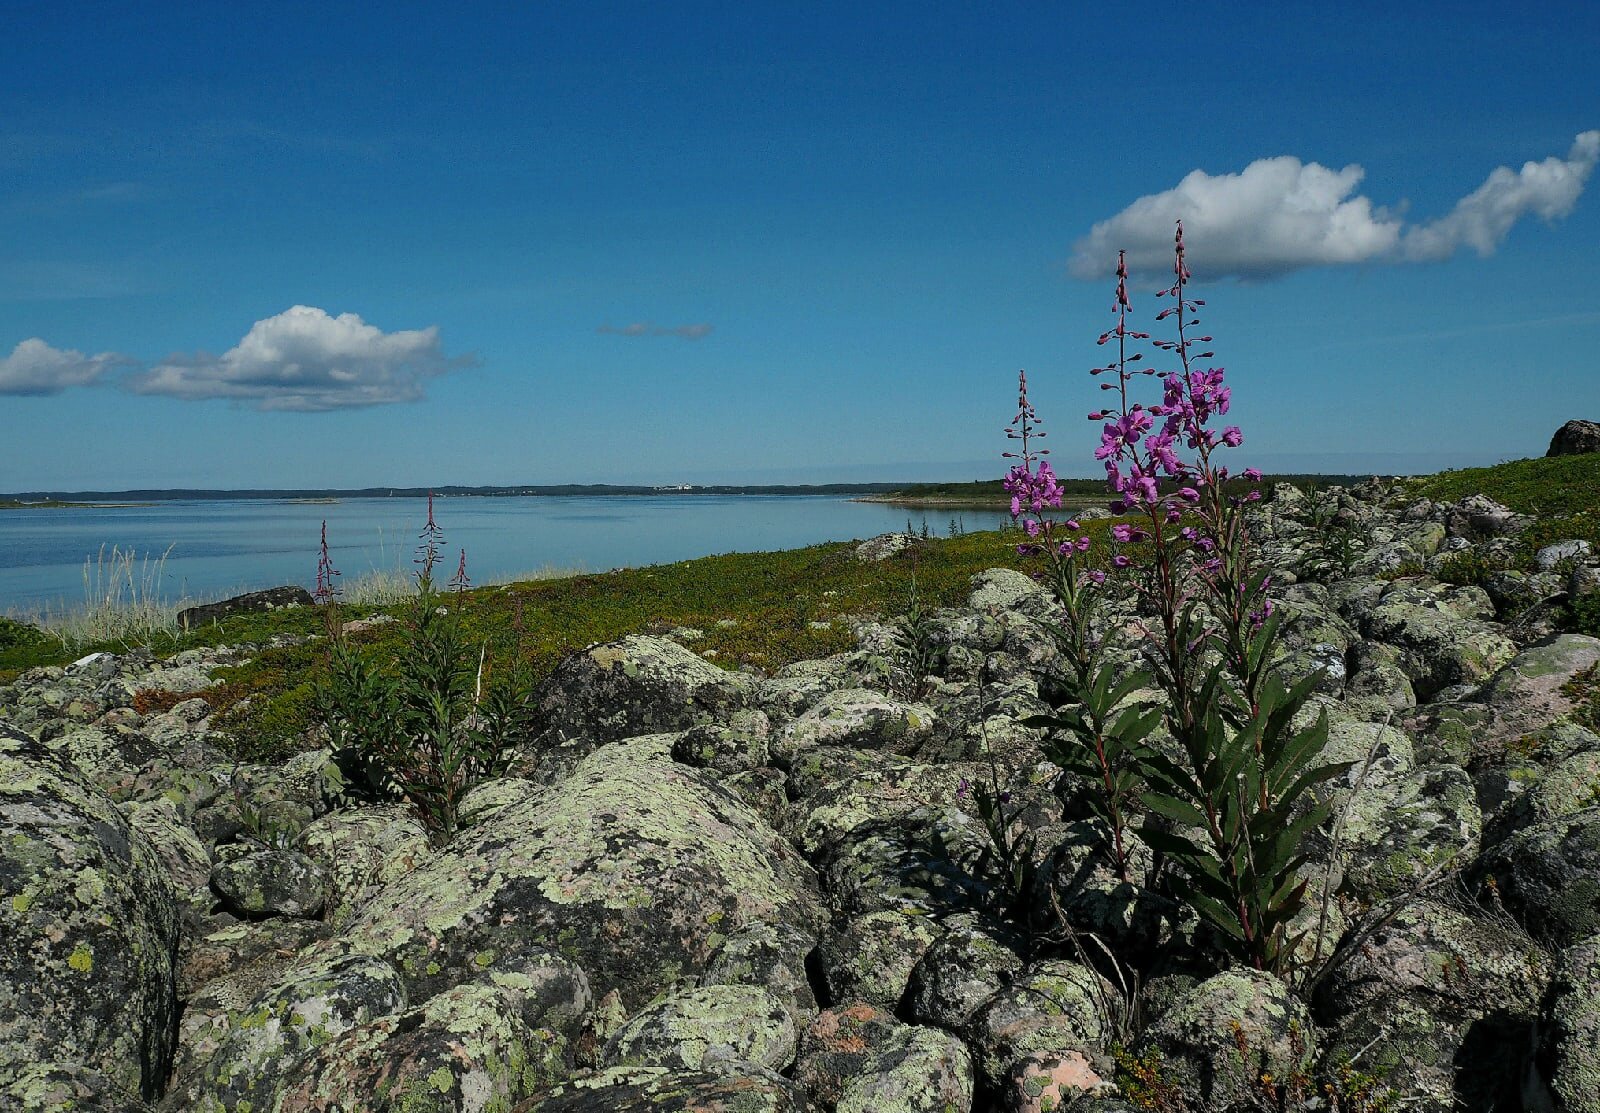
(1034, 488)
(1136, 453)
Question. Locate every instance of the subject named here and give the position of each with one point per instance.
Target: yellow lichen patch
(81, 959)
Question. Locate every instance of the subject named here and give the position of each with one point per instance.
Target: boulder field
(728, 892)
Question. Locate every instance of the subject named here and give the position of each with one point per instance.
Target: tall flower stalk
(1228, 800)
(1085, 733)
(1231, 803)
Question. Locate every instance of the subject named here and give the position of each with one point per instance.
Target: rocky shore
(721, 891)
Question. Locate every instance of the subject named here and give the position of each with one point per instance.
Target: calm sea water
(220, 547)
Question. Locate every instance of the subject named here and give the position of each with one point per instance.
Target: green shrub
(1583, 615)
(423, 728)
(18, 635)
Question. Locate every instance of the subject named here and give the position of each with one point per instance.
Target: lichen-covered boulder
(1005, 590)
(1571, 1052)
(929, 861)
(916, 1069)
(1526, 694)
(1078, 875)
(317, 1001)
(1479, 516)
(635, 868)
(187, 862)
(1048, 1082)
(870, 958)
(636, 1089)
(465, 1051)
(773, 956)
(47, 1087)
(108, 756)
(269, 804)
(1444, 1005)
(363, 848)
(838, 1046)
(857, 718)
(271, 882)
(639, 685)
(88, 929)
(1053, 1006)
(486, 798)
(961, 970)
(739, 745)
(1219, 1039)
(1438, 647)
(1548, 874)
(861, 792)
(1378, 687)
(1398, 834)
(222, 946)
(710, 1024)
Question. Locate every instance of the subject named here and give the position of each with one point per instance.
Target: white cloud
(303, 359)
(645, 328)
(34, 367)
(1279, 215)
(1483, 217)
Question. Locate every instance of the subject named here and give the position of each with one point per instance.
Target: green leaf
(1170, 807)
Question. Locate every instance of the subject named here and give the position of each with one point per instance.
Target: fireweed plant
(1085, 733)
(423, 728)
(1229, 803)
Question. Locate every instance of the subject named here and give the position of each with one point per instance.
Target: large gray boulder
(88, 930)
(1575, 438)
(1548, 874)
(466, 1050)
(1223, 1035)
(635, 868)
(1451, 1000)
(272, 599)
(1571, 1052)
(623, 689)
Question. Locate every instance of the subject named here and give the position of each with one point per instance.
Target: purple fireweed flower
(1232, 436)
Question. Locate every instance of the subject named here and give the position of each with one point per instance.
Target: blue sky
(292, 245)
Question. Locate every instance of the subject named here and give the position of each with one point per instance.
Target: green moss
(1555, 486)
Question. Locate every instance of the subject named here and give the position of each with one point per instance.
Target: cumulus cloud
(34, 367)
(1279, 215)
(303, 359)
(645, 328)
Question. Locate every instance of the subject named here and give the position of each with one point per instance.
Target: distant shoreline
(58, 504)
(564, 490)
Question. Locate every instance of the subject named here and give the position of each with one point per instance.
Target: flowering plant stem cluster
(421, 727)
(1226, 798)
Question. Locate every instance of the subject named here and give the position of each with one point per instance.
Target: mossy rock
(88, 928)
(635, 868)
(1053, 1005)
(708, 1025)
(870, 957)
(1218, 1041)
(465, 1051)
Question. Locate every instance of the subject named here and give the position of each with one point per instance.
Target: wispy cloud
(34, 367)
(645, 328)
(1279, 215)
(303, 359)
